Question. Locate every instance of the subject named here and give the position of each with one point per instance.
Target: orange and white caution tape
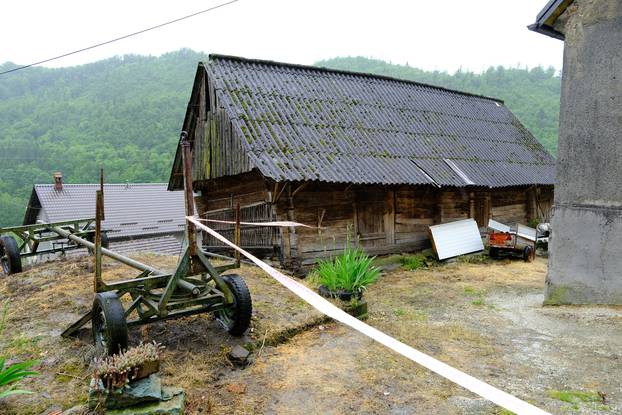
(474, 385)
(285, 223)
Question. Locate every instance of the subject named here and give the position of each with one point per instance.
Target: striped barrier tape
(468, 382)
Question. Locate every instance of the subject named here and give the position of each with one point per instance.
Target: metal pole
(237, 234)
(124, 260)
(186, 153)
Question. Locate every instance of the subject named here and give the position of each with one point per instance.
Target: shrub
(351, 271)
(413, 262)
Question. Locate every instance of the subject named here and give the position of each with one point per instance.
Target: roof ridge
(105, 184)
(213, 56)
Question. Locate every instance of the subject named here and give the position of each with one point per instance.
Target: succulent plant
(116, 371)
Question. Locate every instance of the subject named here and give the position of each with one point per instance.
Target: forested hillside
(122, 113)
(125, 114)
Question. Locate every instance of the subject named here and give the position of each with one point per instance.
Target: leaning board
(456, 238)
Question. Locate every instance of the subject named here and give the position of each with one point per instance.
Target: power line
(120, 38)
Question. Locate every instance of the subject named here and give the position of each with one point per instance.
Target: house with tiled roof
(361, 156)
(139, 217)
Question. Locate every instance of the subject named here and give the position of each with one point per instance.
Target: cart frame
(195, 286)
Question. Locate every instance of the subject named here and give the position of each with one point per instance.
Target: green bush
(351, 271)
(413, 262)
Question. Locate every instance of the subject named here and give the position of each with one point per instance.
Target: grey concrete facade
(585, 264)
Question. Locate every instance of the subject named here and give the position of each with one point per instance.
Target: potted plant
(346, 277)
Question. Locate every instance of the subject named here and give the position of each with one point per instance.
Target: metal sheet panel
(498, 226)
(526, 232)
(456, 238)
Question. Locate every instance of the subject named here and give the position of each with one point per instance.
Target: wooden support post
(389, 218)
(98, 283)
(293, 242)
(237, 239)
(189, 194)
(472, 213)
(532, 210)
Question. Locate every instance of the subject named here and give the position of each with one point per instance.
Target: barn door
(372, 211)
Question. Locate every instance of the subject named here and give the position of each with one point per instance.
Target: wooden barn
(361, 156)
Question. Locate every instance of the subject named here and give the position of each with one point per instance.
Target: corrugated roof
(132, 210)
(306, 123)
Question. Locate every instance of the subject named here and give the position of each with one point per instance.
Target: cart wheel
(237, 318)
(10, 260)
(105, 241)
(109, 325)
(528, 254)
(493, 252)
(104, 238)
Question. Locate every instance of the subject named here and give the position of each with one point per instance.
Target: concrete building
(586, 249)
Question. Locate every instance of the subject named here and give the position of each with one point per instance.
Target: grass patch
(388, 260)
(413, 262)
(478, 302)
(474, 259)
(480, 294)
(22, 345)
(576, 397)
(410, 314)
(474, 292)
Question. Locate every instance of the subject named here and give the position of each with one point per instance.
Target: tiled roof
(132, 210)
(165, 245)
(305, 123)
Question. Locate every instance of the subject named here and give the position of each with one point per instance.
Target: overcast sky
(437, 34)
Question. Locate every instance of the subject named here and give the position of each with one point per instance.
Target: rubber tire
(14, 261)
(493, 252)
(104, 239)
(528, 254)
(115, 328)
(242, 306)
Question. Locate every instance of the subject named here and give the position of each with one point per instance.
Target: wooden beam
(389, 218)
(278, 195)
(299, 188)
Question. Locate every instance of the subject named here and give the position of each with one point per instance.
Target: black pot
(358, 310)
(343, 295)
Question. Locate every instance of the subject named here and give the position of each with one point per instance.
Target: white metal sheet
(456, 238)
(498, 226)
(526, 232)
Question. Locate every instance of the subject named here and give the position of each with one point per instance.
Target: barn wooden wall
(382, 219)
(218, 148)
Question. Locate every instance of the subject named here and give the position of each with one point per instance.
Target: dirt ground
(484, 318)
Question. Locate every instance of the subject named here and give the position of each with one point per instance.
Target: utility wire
(120, 38)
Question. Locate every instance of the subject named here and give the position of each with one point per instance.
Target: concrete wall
(586, 249)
